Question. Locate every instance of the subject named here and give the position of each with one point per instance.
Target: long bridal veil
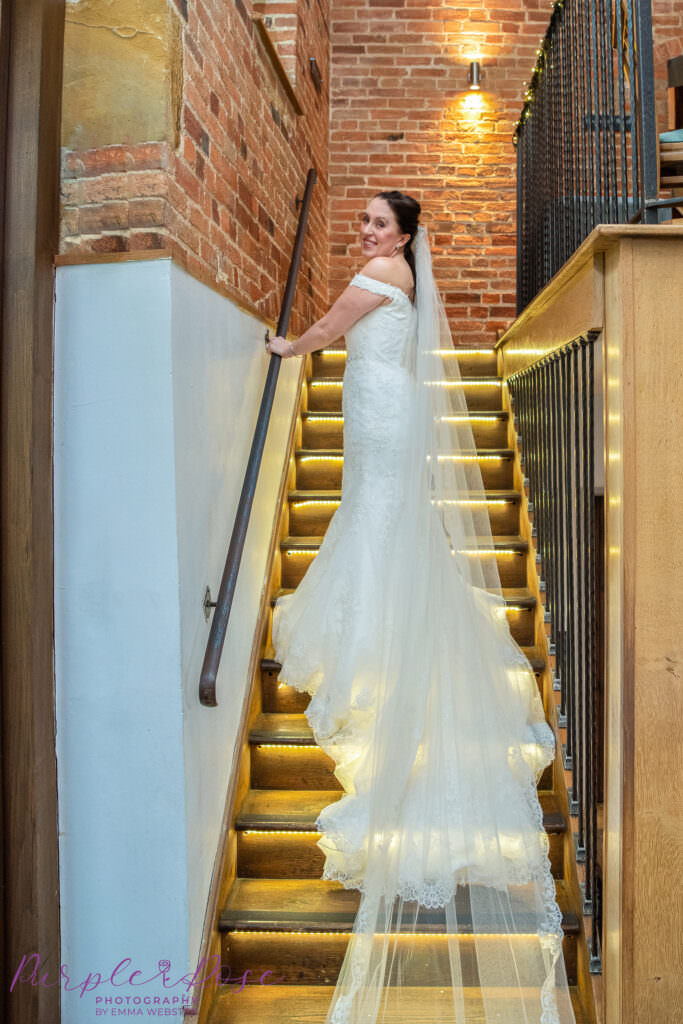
(458, 920)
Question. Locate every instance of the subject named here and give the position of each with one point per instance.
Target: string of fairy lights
(532, 85)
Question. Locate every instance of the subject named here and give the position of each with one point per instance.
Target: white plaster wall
(157, 385)
(219, 369)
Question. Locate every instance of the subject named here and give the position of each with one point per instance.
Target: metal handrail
(219, 625)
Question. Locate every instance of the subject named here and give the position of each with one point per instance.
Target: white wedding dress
(428, 707)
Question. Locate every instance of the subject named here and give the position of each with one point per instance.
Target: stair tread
(515, 541)
(329, 452)
(297, 809)
(534, 653)
(313, 904)
(308, 1004)
(490, 378)
(501, 414)
(512, 595)
(334, 494)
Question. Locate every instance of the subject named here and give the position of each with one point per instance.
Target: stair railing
(586, 137)
(554, 409)
(226, 593)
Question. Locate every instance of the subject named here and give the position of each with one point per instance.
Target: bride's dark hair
(407, 211)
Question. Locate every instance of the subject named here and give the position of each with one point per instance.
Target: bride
(419, 693)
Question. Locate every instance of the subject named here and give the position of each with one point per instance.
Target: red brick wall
(224, 199)
(400, 119)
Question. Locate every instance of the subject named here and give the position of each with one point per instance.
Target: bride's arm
(352, 304)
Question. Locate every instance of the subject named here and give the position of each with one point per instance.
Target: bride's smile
(380, 232)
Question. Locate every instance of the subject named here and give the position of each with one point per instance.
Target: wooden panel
(653, 593)
(572, 302)
(640, 271)
(617, 432)
(31, 189)
(569, 307)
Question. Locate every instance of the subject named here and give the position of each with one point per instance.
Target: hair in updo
(406, 210)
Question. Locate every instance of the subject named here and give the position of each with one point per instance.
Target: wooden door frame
(31, 54)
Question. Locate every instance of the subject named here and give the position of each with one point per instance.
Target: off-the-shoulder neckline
(394, 287)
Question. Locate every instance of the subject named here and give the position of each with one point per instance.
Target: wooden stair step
(285, 755)
(297, 809)
(314, 905)
(312, 414)
(324, 428)
(482, 379)
(308, 1004)
(500, 543)
(534, 653)
(310, 510)
(275, 727)
(321, 468)
(338, 453)
(518, 597)
(334, 494)
(298, 553)
(471, 362)
(483, 391)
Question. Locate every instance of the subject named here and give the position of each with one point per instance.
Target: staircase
(278, 916)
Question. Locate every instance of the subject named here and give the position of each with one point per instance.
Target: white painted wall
(158, 381)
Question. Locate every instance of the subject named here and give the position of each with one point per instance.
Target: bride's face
(379, 230)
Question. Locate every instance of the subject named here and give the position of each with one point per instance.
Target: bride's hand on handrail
(279, 346)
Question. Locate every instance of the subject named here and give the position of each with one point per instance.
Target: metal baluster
(581, 734)
(548, 556)
(592, 136)
(555, 492)
(572, 684)
(608, 74)
(561, 656)
(635, 171)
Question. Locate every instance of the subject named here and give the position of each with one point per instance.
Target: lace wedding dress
(421, 696)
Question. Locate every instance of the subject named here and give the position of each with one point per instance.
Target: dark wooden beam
(31, 40)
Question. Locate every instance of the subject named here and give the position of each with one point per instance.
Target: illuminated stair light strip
(470, 937)
(469, 458)
(466, 382)
(461, 351)
(488, 551)
(316, 501)
(287, 746)
(464, 417)
(471, 501)
(322, 458)
(280, 832)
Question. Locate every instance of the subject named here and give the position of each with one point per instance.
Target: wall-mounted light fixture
(475, 75)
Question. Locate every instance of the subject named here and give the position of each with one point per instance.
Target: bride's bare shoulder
(384, 268)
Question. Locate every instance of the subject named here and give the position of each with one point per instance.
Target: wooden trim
(601, 238)
(210, 936)
(278, 66)
(29, 768)
(80, 259)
